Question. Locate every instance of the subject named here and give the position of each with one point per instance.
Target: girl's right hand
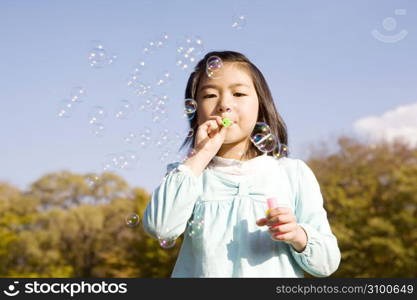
(210, 135)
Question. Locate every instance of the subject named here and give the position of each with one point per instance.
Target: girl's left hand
(283, 227)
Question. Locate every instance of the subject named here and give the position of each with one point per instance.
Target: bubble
(129, 138)
(109, 162)
(195, 227)
(263, 138)
(142, 88)
(132, 220)
(98, 129)
(188, 49)
(112, 58)
(239, 22)
(149, 47)
(97, 56)
(162, 40)
(188, 116)
(65, 108)
(214, 66)
(166, 153)
(190, 106)
(163, 138)
(159, 116)
(124, 110)
(166, 243)
(176, 140)
(135, 77)
(92, 180)
(145, 137)
(127, 160)
(139, 67)
(78, 94)
(164, 79)
(280, 150)
(261, 127)
(97, 114)
(265, 142)
(147, 103)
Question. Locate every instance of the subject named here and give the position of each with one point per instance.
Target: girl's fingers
(261, 222)
(282, 228)
(280, 219)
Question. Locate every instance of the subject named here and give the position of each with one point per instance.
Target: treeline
(72, 225)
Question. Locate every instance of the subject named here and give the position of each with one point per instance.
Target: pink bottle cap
(272, 202)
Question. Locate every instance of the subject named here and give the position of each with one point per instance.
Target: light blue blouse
(230, 243)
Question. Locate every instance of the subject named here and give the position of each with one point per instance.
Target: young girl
(224, 186)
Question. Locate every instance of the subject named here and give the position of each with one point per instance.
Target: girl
(224, 185)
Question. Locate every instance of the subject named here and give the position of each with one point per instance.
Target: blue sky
(328, 74)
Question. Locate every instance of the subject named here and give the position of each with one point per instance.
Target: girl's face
(231, 94)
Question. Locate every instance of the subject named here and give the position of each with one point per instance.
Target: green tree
(370, 193)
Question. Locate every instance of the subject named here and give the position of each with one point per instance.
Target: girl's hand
(210, 135)
(283, 227)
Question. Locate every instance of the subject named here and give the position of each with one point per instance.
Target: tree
(370, 193)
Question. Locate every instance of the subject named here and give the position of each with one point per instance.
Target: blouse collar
(235, 166)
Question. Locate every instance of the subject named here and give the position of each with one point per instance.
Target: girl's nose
(224, 109)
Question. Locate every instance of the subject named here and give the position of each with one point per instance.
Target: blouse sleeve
(321, 257)
(172, 203)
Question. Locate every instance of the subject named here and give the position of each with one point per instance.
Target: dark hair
(267, 112)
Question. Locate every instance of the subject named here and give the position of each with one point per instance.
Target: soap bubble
(190, 106)
(263, 138)
(239, 22)
(98, 129)
(132, 220)
(265, 143)
(149, 47)
(148, 102)
(280, 150)
(92, 180)
(164, 79)
(78, 94)
(145, 137)
(142, 88)
(129, 138)
(162, 40)
(136, 76)
(188, 50)
(195, 227)
(262, 128)
(65, 108)
(112, 58)
(163, 138)
(214, 66)
(166, 153)
(127, 160)
(188, 116)
(167, 243)
(124, 110)
(97, 114)
(97, 56)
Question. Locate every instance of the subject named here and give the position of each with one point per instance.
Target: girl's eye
(239, 94)
(209, 96)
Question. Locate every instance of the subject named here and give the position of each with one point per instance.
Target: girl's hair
(266, 113)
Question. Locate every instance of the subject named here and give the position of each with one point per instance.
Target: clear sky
(333, 66)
